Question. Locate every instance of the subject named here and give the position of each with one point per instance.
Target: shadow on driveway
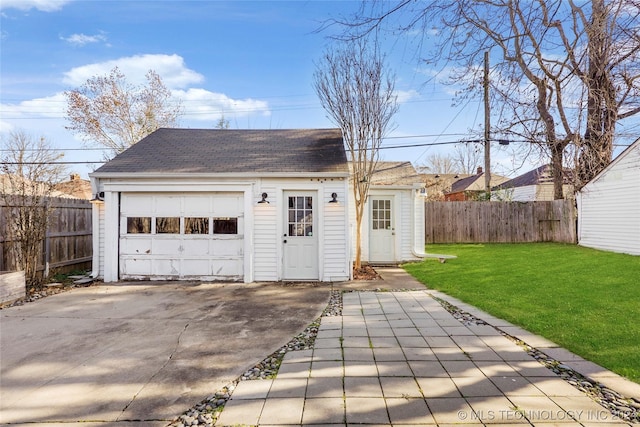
(141, 351)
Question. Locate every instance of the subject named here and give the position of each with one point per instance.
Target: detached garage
(242, 205)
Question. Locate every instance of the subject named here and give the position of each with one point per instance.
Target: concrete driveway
(141, 353)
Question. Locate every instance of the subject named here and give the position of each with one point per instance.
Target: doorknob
(284, 241)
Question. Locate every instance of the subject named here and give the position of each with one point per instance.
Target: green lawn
(585, 300)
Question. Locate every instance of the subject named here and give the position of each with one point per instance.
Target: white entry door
(382, 233)
(300, 240)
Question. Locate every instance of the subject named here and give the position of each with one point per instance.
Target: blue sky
(252, 61)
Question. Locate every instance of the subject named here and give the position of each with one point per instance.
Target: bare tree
(358, 94)
(108, 111)
(222, 123)
(568, 72)
(440, 163)
(30, 173)
(467, 157)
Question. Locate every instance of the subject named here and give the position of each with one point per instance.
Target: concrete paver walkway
(399, 358)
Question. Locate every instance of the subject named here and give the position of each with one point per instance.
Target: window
(168, 225)
(300, 216)
(196, 226)
(139, 225)
(381, 214)
(225, 225)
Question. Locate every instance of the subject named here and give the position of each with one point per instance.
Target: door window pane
(168, 225)
(139, 225)
(300, 216)
(381, 214)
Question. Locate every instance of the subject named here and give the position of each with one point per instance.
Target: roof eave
(252, 175)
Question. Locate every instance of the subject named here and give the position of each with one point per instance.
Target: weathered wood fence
(500, 222)
(68, 242)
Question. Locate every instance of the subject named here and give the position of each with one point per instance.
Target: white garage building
(210, 204)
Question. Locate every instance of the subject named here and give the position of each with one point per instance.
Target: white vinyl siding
(404, 229)
(525, 193)
(337, 262)
(265, 237)
(609, 206)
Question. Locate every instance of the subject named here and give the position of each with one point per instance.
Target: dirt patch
(366, 272)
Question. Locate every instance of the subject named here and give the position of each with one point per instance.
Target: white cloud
(171, 68)
(22, 114)
(83, 39)
(42, 5)
(203, 105)
(406, 95)
(51, 106)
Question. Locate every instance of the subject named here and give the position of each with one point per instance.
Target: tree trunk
(602, 109)
(557, 170)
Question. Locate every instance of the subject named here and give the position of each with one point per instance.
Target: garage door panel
(166, 267)
(197, 205)
(137, 204)
(227, 247)
(196, 268)
(167, 205)
(135, 246)
(167, 246)
(228, 206)
(197, 247)
(226, 268)
(136, 266)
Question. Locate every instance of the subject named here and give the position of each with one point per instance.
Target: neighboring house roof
(231, 151)
(540, 175)
(395, 173)
(475, 182)
(76, 187)
(20, 186)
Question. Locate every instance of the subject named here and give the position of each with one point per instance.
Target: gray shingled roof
(270, 151)
(540, 175)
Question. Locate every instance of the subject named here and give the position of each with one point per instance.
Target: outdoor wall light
(98, 197)
(334, 198)
(264, 198)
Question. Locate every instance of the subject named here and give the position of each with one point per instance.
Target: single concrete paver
(401, 359)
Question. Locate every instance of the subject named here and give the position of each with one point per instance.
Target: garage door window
(139, 225)
(225, 226)
(196, 226)
(168, 225)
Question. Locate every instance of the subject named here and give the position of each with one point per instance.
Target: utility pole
(487, 129)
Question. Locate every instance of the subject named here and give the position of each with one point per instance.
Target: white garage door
(182, 236)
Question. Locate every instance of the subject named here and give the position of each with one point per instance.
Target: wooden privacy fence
(500, 222)
(68, 242)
